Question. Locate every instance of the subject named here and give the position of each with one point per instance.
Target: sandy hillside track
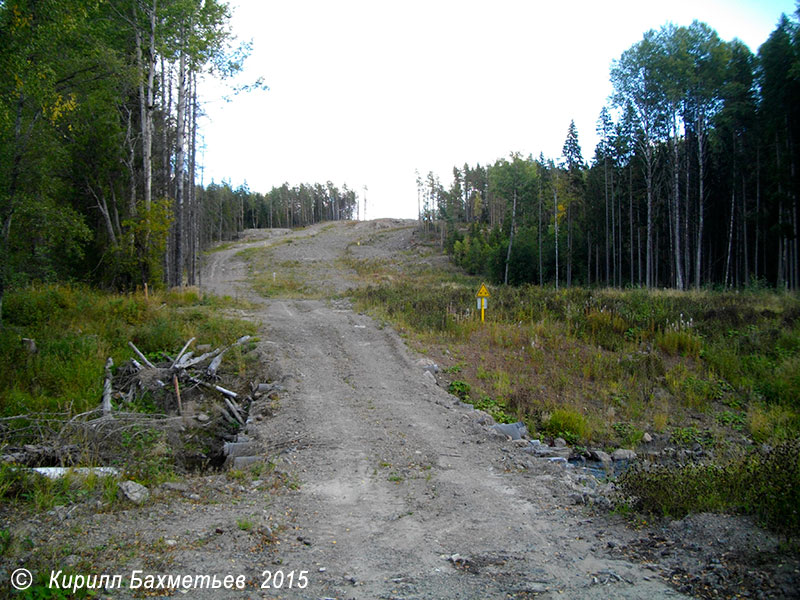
(401, 492)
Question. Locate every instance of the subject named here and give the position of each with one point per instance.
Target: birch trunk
(180, 158)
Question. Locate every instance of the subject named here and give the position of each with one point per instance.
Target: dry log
(141, 356)
(178, 393)
(227, 415)
(233, 409)
(212, 368)
(211, 386)
(106, 406)
(191, 362)
(180, 354)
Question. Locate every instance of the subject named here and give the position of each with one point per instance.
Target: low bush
(568, 424)
(765, 485)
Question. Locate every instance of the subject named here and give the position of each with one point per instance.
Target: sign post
(483, 299)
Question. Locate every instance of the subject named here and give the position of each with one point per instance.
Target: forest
(99, 112)
(694, 181)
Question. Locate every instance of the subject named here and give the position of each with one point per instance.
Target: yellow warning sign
(482, 295)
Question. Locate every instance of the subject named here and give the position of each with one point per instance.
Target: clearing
(375, 481)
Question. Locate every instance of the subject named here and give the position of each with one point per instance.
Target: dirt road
(401, 491)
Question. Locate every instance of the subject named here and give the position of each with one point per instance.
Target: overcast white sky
(364, 92)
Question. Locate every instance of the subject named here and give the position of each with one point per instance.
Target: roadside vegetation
(713, 372)
(46, 391)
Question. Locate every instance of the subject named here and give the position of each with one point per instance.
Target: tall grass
(704, 348)
(765, 485)
(76, 328)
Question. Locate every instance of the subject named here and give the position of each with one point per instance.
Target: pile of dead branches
(185, 372)
(66, 439)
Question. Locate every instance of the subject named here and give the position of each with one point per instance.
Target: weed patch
(765, 485)
(45, 395)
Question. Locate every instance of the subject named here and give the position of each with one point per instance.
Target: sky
(365, 92)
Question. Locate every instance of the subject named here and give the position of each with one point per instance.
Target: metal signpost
(483, 299)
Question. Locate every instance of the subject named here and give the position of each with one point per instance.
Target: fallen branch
(180, 354)
(141, 356)
(233, 409)
(211, 386)
(211, 371)
(178, 393)
(191, 362)
(106, 405)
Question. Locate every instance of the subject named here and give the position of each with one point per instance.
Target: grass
(26, 488)
(765, 485)
(75, 329)
(595, 352)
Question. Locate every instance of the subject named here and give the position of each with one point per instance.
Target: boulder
(428, 365)
(623, 454)
(544, 451)
(234, 449)
(133, 492)
(603, 457)
(515, 431)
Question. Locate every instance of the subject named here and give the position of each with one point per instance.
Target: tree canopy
(694, 180)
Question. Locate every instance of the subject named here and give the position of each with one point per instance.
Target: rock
(266, 531)
(428, 365)
(603, 457)
(623, 454)
(203, 418)
(29, 345)
(174, 486)
(239, 462)
(483, 418)
(170, 542)
(458, 560)
(72, 560)
(647, 438)
(234, 449)
(577, 498)
(545, 451)
(560, 442)
(515, 431)
(133, 492)
(429, 377)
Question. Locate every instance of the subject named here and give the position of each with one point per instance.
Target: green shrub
(765, 485)
(496, 409)
(683, 343)
(460, 389)
(568, 424)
